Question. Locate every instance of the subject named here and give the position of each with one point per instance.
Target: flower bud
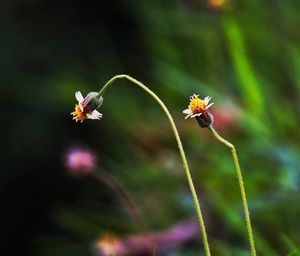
(86, 107)
(205, 121)
(92, 101)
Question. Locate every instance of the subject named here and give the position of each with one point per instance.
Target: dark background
(245, 54)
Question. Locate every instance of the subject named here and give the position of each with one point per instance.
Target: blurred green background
(245, 54)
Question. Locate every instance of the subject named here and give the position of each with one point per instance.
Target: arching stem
(241, 184)
(180, 147)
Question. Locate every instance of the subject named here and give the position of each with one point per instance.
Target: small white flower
(86, 107)
(197, 106)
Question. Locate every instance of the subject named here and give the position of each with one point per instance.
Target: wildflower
(110, 246)
(80, 161)
(148, 243)
(86, 107)
(198, 108)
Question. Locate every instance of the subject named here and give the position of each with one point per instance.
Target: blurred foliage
(245, 54)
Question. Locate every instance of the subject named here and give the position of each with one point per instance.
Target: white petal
(81, 107)
(187, 116)
(89, 116)
(199, 114)
(97, 114)
(209, 105)
(194, 96)
(187, 111)
(207, 99)
(79, 96)
(94, 115)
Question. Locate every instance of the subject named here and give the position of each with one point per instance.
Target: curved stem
(120, 192)
(242, 188)
(180, 147)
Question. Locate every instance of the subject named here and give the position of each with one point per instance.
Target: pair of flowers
(199, 109)
(87, 108)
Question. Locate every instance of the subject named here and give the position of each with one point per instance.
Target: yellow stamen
(78, 115)
(197, 105)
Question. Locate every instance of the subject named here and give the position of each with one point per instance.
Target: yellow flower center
(78, 115)
(197, 105)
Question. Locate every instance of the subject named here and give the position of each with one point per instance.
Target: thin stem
(122, 195)
(242, 188)
(180, 147)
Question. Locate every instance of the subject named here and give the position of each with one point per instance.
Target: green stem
(120, 192)
(242, 188)
(180, 147)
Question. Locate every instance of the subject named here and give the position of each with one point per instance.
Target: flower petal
(209, 105)
(89, 116)
(198, 114)
(187, 111)
(206, 100)
(194, 96)
(94, 115)
(79, 96)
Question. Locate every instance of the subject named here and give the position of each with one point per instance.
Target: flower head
(80, 161)
(86, 107)
(198, 108)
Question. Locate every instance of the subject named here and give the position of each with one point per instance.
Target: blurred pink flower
(110, 246)
(150, 243)
(80, 161)
(225, 117)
